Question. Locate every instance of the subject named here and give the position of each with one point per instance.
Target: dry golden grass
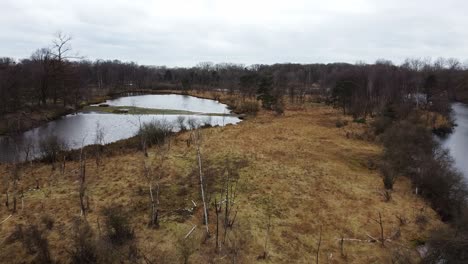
(312, 173)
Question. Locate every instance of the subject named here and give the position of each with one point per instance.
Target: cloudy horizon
(181, 33)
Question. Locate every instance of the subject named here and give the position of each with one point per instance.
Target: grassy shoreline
(37, 116)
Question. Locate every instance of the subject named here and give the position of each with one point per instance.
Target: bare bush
(401, 256)
(35, 242)
(117, 226)
(84, 248)
(193, 123)
(447, 245)
(341, 123)
(181, 123)
(50, 147)
(389, 177)
(99, 143)
(248, 107)
(47, 221)
(186, 247)
(387, 196)
(155, 132)
(411, 150)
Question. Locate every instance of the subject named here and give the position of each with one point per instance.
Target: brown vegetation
(297, 178)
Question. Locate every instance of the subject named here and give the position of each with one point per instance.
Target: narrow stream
(457, 142)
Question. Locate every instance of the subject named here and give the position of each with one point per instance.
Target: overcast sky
(183, 33)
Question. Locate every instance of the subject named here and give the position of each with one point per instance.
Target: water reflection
(78, 129)
(170, 101)
(457, 142)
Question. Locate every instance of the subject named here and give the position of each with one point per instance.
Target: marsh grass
(314, 174)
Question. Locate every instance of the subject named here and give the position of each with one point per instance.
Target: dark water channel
(457, 142)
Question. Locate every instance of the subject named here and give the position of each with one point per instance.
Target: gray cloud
(183, 33)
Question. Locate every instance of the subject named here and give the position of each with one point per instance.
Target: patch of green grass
(144, 111)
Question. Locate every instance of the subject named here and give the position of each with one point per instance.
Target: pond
(80, 129)
(457, 142)
(171, 101)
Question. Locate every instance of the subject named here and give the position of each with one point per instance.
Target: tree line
(55, 75)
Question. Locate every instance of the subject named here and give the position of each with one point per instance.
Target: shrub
(449, 244)
(278, 106)
(84, 248)
(39, 242)
(360, 120)
(181, 123)
(47, 221)
(411, 150)
(387, 196)
(193, 123)
(380, 124)
(34, 241)
(401, 256)
(341, 123)
(384, 120)
(186, 247)
(116, 226)
(421, 219)
(50, 148)
(443, 129)
(389, 177)
(248, 107)
(155, 132)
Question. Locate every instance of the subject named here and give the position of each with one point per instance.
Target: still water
(457, 142)
(171, 101)
(79, 129)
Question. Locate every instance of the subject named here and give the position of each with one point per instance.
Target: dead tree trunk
(226, 209)
(205, 210)
(380, 222)
(14, 195)
(82, 182)
(64, 161)
(154, 192)
(15, 186)
(22, 199)
(230, 197)
(342, 246)
(154, 210)
(7, 202)
(318, 246)
(267, 237)
(217, 209)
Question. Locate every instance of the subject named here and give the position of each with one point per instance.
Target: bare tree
(15, 176)
(269, 212)
(380, 222)
(61, 51)
(198, 138)
(319, 243)
(44, 70)
(82, 189)
(61, 47)
(217, 211)
(99, 142)
(230, 194)
(5, 184)
(153, 178)
(157, 133)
